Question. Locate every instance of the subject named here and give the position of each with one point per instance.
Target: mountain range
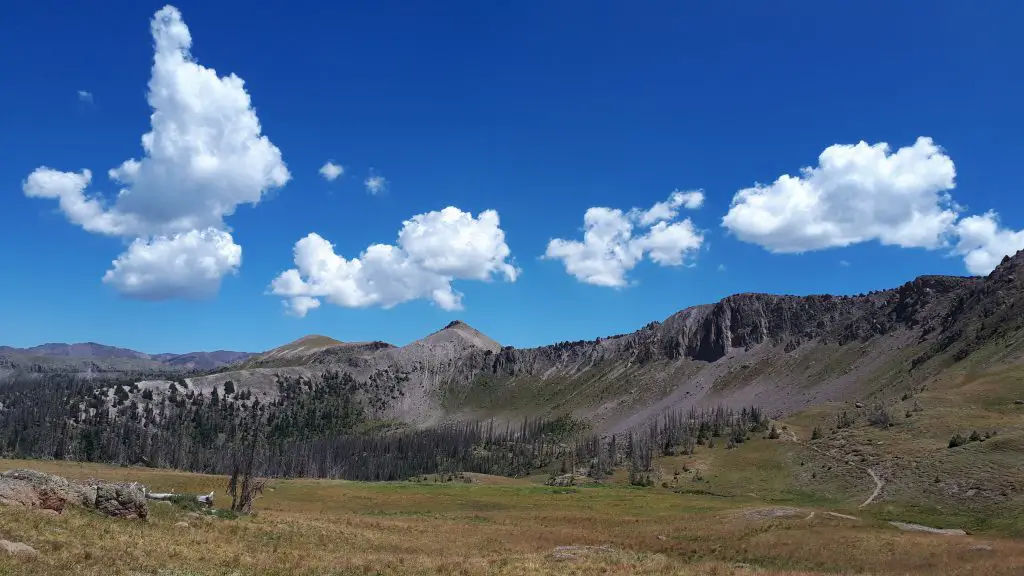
(113, 356)
(784, 353)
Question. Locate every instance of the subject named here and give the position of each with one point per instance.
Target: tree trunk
(206, 500)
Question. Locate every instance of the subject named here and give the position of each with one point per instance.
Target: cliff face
(707, 333)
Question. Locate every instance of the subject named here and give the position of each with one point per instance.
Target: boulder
(17, 548)
(32, 489)
(39, 490)
(121, 501)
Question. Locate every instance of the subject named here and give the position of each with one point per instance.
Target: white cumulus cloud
(856, 193)
(185, 265)
(668, 209)
(204, 156)
(983, 242)
(331, 171)
(612, 246)
(432, 251)
(865, 192)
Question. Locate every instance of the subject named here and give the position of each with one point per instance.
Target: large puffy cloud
(610, 248)
(204, 156)
(983, 242)
(432, 251)
(856, 193)
(859, 193)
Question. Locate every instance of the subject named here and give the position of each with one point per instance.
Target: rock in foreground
(17, 548)
(32, 489)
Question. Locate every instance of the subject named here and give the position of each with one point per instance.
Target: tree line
(320, 428)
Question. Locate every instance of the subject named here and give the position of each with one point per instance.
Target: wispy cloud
(375, 183)
(844, 263)
(85, 96)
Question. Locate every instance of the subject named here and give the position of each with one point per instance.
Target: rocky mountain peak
(462, 333)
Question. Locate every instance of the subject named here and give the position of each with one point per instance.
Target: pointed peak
(457, 330)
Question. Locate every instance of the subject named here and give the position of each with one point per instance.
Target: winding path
(878, 487)
(879, 483)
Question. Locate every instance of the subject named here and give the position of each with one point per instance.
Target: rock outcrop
(32, 489)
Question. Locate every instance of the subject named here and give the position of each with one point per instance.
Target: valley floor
(725, 523)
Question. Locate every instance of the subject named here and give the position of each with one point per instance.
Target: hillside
(785, 353)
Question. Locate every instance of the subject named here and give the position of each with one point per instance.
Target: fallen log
(204, 499)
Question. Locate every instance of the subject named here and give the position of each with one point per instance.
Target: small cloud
(331, 171)
(375, 183)
(85, 96)
(844, 263)
(615, 241)
(721, 267)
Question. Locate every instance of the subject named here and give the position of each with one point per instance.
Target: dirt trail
(878, 488)
(879, 483)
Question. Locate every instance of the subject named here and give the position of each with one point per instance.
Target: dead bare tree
(243, 485)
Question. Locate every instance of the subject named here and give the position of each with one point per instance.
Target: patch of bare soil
(908, 527)
(577, 552)
(769, 513)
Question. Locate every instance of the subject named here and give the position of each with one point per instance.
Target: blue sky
(538, 111)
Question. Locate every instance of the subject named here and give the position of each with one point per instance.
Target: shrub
(773, 434)
(739, 435)
(816, 433)
(880, 416)
(975, 437)
(957, 440)
(844, 420)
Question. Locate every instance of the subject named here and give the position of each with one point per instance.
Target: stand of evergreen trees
(318, 428)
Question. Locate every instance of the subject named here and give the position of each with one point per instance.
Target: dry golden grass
(334, 527)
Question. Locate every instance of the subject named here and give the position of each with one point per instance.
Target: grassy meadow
(713, 521)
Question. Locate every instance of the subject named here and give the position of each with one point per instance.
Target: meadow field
(725, 512)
